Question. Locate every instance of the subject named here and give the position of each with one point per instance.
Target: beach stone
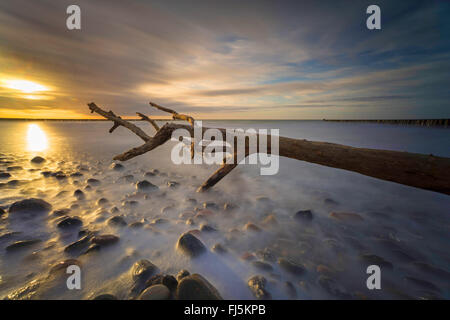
(5, 175)
(117, 221)
(264, 266)
(70, 222)
(172, 184)
(196, 287)
(159, 221)
(207, 228)
(190, 245)
(92, 248)
(142, 270)
(331, 202)
(204, 214)
(155, 292)
(105, 296)
(117, 167)
(105, 239)
(79, 194)
(303, 215)
(218, 248)
(252, 227)
(270, 220)
(30, 206)
(346, 216)
(102, 202)
(191, 201)
(38, 160)
(144, 185)
(14, 168)
(93, 182)
(170, 282)
(257, 285)
(266, 254)
(76, 174)
(61, 266)
(291, 266)
(149, 174)
(229, 207)
(181, 274)
(136, 225)
(21, 245)
(374, 259)
(78, 245)
(210, 205)
(61, 212)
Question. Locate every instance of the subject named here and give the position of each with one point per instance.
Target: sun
(24, 85)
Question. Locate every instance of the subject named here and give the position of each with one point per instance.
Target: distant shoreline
(417, 122)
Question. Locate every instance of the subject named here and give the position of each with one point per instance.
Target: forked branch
(417, 170)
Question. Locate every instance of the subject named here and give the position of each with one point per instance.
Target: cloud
(228, 58)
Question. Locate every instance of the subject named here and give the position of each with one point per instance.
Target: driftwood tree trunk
(417, 170)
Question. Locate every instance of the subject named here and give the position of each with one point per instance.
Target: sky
(226, 59)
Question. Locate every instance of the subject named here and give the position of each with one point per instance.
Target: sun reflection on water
(36, 138)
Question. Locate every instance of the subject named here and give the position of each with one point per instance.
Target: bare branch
(417, 170)
(152, 122)
(175, 115)
(118, 121)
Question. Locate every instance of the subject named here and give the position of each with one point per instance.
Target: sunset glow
(24, 85)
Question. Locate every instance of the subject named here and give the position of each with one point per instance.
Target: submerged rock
(70, 222)
(181, 274)
(117, 221)
(61, 212)
(155, 292)
(346, 216)
(190, 245)
(218, 248)
(30, 206)
(79, 194)
(196, 287)
(78, 245)
(303, 215)
(105, 239)
(291, 266)
(172, 184)
(257, 285)
(117, 167)
(37, 160)
(142, 270)
(93, 182)
(102, 202)
(262, 265)
(21, 244)
(252, 227)
(105, 296)
(144, 185)
(5, 175)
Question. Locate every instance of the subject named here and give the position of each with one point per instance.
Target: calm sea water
(399, 221)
